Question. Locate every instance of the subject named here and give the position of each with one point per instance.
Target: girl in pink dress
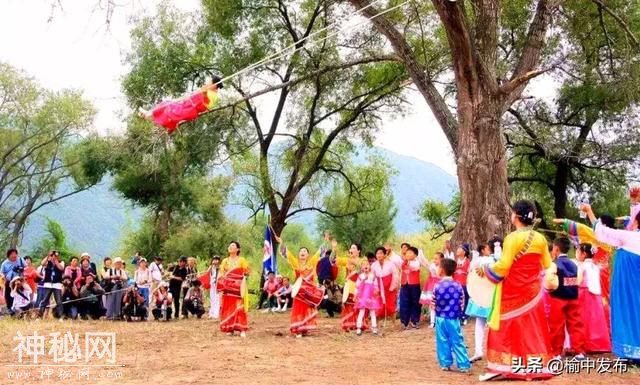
(427, 291)
(597, 335)
(367, 297)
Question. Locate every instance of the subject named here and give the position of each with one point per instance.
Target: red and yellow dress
(349, 315)
(303, 315)
(580, 233)
(170, 114)
(518, 345)
(233, 315)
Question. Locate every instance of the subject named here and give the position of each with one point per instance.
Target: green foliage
(440, 218)
(364, 216)
(41, 148)
(586, 139)
(56, 239)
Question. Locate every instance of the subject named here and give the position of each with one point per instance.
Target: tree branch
(417, 72)
(620, 21)
(530, 57)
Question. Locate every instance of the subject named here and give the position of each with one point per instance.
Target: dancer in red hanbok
(303, 314)
(518, 335)
(349, 315)
(233, 317)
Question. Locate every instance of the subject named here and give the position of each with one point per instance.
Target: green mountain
(95, 220)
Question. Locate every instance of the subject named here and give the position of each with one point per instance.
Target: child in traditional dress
(214, 296)
(597, 335)
(449, 302)
(367, 297)
(474, 310)
(410, 308)
(463, 261)
(562, 281)
(434, 277)
(271, 287)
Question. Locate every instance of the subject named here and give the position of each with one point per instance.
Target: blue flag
(268, 254)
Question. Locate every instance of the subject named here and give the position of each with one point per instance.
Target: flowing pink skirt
(597, 334)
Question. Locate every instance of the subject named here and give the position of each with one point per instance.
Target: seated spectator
(194, 300)
(134, 305)
(332, 301)
(91, 304)
(21, 294)
(270, 288)
(163, 301)
(69, 293)
(283, 295)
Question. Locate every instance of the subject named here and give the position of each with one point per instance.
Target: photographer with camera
(53, 269)
(69, 293)
(90, 292)
(194, 300)
(21, 293)
(134, 305)
(12, 266)
(163, 300)
(116, 278)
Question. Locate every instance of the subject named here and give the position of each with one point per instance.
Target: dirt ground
(196, 352)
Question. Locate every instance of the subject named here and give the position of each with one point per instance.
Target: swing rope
(296, 46)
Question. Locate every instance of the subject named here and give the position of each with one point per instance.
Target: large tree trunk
(278, 223)
(482, 174)
(163, 221)
(477, 140)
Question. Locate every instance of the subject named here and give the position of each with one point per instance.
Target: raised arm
(609, 236)
(497, 271)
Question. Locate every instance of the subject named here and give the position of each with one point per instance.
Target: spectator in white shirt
(156, 269)
(143, 279)
(21, 294)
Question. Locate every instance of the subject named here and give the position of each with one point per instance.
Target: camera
(19, 270)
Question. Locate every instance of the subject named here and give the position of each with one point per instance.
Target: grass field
(196, 352)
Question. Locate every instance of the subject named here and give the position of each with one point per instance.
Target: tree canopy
(44, 149)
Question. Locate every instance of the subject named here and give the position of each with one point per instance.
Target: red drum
(232, 283)
(307, 292)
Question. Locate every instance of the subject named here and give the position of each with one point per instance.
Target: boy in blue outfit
(449, 303)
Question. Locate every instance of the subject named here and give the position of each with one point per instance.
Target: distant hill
(96, 220)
